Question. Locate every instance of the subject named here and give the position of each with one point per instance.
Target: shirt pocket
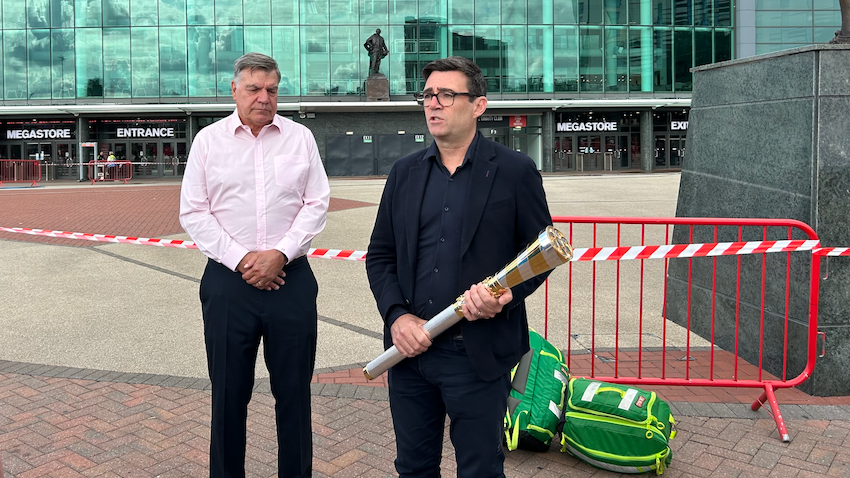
(290, 171)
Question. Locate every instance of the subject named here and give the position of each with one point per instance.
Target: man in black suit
(450, 216)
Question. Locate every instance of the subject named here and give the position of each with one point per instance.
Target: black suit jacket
(505, 211)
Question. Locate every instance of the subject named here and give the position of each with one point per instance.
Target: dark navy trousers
(440, 382)
(236, 316)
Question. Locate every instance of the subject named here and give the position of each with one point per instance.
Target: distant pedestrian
(254, 195)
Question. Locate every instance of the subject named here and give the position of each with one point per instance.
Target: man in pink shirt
(254, 195)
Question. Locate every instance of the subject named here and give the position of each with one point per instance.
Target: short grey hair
(254, 61)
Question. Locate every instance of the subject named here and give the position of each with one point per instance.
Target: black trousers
(439, 382)
(236, 316)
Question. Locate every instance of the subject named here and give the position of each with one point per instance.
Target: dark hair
(254, 61)
(474, 78)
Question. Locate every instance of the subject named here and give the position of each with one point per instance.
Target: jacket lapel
(483, 172)
(416, 180)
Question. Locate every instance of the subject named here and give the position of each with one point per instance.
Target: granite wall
(769, 137)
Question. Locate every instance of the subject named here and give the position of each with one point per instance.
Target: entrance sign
(588, 126)
(38, 133)
(145, 132)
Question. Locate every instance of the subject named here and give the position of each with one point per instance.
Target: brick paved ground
(70, 427)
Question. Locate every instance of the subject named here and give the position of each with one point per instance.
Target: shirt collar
(434, 153)
(234, 124)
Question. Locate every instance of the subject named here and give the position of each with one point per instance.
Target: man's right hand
(409, 337)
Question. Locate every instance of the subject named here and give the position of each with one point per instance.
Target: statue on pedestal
(377, 50)
(843, 36)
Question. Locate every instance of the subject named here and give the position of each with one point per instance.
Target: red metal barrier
(110, 171)
(20, 171)
(627, 317)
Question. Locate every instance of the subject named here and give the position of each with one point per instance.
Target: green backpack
(536, 401)
(617, 427)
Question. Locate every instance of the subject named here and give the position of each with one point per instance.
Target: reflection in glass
(640, 59)
(38, 64)
(684, 60)
(15, 64)
(201, 61)
(90, 62)
(514, 59)
(344, 64)
(228, 13)
(63, 63)
(539, 11)
(172, 61)
(172, 12)
(257, 12)
(116, 62)
(200, 12)
(616, 59)
(663, 68)
(487, 12)
(590, 59)
(722, 45)
(38, 14)
(258, 39)
(372, 12)
(229, 47)
(145, 62)
(513, 12)
(565, 59)
(540, 55)
(285, 12)
(460, 12)
(144, 12)
(488, 46)
(116, 13)
(286, 50)
(315, 62)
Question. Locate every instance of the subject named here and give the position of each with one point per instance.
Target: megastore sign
(587, 126)
(58, 133)
(145, 132)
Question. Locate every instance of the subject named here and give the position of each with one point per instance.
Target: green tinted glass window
(228, 13)
(315, 12)
(590, 12)
(14, 14)
(15, 65)
(116, 13)
(539, 11)
(487, 12)
(590, 59)
(229, 48)
(345, 60)
(88, 14)
(461, 12)
(663, 67)
(783, 19)
(90, 61)
(402, 11)
(723, 13)
(145, 61)
(116, 63)
(62, 43)
(540, 57)
(62, 14)
(257, 12)
(285, 12)
(372, 12)
(172, 61)
(200, 12)
(488, 46)
(783, 4)
(703, 13)
(827, 18)
(144, 12)
(661, 13)
(640, 59)
(784, 35)
(38, 14)
(38, 64)
(683, 59)
(616, 59)
(315, 61)
(172, 12)
(286, 50)
(514, 12)
(258, 39)
(201, 41)
(514, 59)
(722, 45)
(683, 12)
(565, 58)
(703, 47)
(565, 12)
(433, 11)
(614, 14)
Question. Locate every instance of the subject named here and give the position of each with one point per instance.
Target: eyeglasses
(444, 98)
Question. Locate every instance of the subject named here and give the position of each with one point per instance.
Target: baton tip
(366, 374)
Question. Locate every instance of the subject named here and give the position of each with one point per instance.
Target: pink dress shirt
(243, 193)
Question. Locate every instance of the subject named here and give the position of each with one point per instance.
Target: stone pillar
(767, 138)
(548, 141)
(647, 141)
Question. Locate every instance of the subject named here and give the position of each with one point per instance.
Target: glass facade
(148, 50)
(783, 24)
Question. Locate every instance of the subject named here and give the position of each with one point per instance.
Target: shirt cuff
(234, 255)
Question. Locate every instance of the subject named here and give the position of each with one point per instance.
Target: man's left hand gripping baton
(547, 252)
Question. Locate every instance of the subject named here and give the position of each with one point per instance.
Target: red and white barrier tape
(148, 241)
(669, 251)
